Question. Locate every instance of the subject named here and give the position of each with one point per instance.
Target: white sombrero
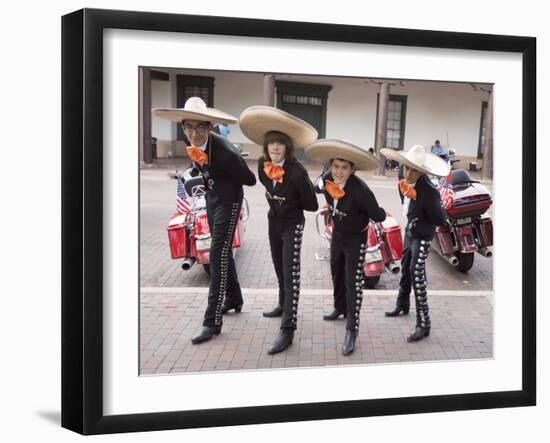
(417, 158)
(324, 150)
(195, 109)
(257, 121)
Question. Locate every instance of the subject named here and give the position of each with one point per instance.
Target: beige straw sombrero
(195, 109)
(417, 158)
(257, 121)
(324, 150)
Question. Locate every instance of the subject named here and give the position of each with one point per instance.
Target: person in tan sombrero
(351, 204)
(423, 210)
(289, 193)
(225, 172)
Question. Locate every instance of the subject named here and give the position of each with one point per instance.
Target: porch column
(487, 170)
(381, 130)
(146, 118)
(269, 90)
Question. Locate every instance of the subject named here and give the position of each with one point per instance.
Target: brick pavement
(462, 328)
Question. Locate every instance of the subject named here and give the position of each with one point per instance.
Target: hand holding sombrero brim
(257, 121)
(417, 158)
(324, 150)
(195, 109)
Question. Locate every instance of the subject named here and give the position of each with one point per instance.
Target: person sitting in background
(437, 149)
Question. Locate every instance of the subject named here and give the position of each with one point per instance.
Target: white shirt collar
(280, 164)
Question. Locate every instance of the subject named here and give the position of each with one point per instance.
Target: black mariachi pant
(224, 283)
(413, 276)
(285, 240)
(347, 257)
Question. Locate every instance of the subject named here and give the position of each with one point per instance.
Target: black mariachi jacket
(354, 209)
(226, 171)
(426, 212)
(293, 196)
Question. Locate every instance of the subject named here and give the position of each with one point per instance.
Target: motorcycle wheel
(465, 261)
(371, 282)
(206, 268)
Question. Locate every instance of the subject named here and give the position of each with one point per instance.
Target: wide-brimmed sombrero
(324, 150)
(417, 158)
(257, 121)
(195, 109)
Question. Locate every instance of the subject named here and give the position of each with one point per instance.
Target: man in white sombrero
(289, 193)
(423, 210)
(351, 204)
(225, 172)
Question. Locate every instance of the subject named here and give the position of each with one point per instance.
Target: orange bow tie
(335, 191)
(197, 155)
(407, 189)
(274, 172)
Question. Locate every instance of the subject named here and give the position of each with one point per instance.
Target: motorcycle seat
(192, 183)
(461, 176)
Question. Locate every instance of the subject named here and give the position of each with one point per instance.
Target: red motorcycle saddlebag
(374, 257)
(237, 236)
(392, 232)
(466, 238)
(177, 236)
(485, 231)
(202, 229)
(444, 240)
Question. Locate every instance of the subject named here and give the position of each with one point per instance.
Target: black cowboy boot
(334, 315)
(227, 308)
(283, 341)
(397, 311)
(205, 334)
(349, 342)
(419, 333)
(275, 312)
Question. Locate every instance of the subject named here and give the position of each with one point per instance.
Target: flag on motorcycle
(182, 199)
(446, 191)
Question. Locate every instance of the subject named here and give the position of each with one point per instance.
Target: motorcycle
(189, 233)
(384, 246)
(469, 229)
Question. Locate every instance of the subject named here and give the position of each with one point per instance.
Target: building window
(395, 132)
(193, 86)
(302, 100)
(482, 129)
(307, 101)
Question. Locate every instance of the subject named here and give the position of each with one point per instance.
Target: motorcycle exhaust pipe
(485, 252)
(393, 268)
(452, 259)
(187, 263)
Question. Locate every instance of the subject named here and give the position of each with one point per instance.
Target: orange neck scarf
(407, 189)
(274, 172)
(197, 155)
(334, 190)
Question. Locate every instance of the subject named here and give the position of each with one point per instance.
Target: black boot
(418, 334)
(349, 342)
(334, 315)
(397, 311)
(205, 334)
(275, 312)
(283, 341)
(227, 308)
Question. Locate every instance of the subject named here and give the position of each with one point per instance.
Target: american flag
(182, 199)
(446, 192)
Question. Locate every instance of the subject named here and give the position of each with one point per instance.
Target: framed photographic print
(142, 275)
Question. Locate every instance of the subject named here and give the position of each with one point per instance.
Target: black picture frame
(82, 217)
